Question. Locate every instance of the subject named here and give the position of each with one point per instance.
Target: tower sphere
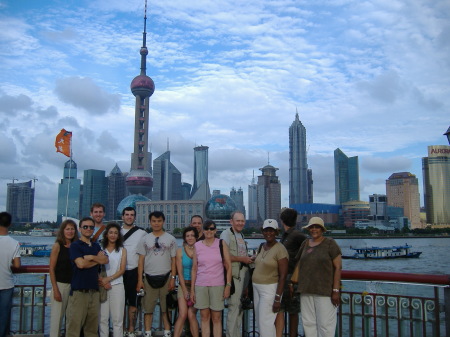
(139, 182)
(142, 86)
(144, 51)
(220, 207)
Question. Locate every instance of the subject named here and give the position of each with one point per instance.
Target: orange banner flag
(63, 141)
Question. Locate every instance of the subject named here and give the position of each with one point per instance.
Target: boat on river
(29, 249)
(393, 252)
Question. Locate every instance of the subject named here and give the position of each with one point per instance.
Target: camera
(140, 292)
(246, 303)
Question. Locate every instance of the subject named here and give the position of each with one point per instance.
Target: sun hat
(270, 223)
(316, 221)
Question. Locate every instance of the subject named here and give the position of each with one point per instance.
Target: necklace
(265, 252)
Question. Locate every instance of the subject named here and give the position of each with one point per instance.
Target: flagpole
(68, 184)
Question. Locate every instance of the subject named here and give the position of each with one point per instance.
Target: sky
(369, 77)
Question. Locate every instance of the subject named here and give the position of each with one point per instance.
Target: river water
(434, 258)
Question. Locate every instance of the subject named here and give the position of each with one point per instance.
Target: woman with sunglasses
(269, 275)
(184, 258)
(114, 305)
(320, 259)
(211, 279)
(60, 271)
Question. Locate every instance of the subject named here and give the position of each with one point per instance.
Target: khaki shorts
(209, 297)
(152, 295)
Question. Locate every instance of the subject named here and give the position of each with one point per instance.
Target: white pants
(58, 309)
(113, 307)
(234, 316)
(318, 315)
(263, 297)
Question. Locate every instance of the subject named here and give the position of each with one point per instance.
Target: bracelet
(336, 290)
(173, 277)
(228, 284)
(276, 295)
(277, 301)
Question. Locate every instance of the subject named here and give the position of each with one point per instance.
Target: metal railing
(373, 304)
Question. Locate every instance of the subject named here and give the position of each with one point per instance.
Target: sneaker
(131, 334)
(167, 333)
(125, 333)
(148, 334)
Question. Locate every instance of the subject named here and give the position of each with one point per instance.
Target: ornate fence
(373, 304)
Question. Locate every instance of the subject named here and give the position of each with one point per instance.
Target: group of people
(97, 270)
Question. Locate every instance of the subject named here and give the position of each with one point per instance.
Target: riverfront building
(300, 192)
(166, 179)
(402, 190)
(20, 202)
(268, 194)
(117, 191)
(200, 189)
(436, 181)
(346, 177)
(238, 198)
(95, 189)
(178, 213)
(69, 193)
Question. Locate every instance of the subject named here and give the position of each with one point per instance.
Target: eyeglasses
(157, 246)
(88, 227)
(210, 229)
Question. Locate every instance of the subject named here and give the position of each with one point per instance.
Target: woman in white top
(115, 303)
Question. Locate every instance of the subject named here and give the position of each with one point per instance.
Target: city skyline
(370, 78)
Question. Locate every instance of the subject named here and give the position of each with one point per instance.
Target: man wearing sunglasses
(157, 251)
(84, 300)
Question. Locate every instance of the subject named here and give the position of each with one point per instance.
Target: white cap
(270, 223)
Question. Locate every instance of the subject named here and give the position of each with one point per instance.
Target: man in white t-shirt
(132, 236)
(239, 269)
(9, 257)
(157, 251)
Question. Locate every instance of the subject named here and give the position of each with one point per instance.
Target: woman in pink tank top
(211, 279)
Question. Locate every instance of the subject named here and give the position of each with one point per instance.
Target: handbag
(103, 292)
(157, 281)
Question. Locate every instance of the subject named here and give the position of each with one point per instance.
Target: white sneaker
(167, 333)
(148, 334)
(131, 334)
(125, 333)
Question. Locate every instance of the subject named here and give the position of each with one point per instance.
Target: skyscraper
(166, 179)
(117, 190)
(238, 198)
(436, 181)
(346, 177)
(310, 186)
(402, 190)
(298, 165)
(268, 194)
(69, 193)
(95, 189)
(139, 180)
(20, 201)
(200, 190)
(186, 191)
(253, 200)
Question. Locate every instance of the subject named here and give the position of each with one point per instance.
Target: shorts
(152, 295)
(290, 304)
(130, 279)
(209, 297)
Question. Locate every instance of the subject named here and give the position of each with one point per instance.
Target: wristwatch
(336, 290)
(172, 276)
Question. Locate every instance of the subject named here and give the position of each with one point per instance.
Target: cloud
(385, 165)
(84, 93)
(8, 154)
(108, 142)
(13, 104)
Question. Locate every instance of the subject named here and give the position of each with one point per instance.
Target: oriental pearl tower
(139, 180)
